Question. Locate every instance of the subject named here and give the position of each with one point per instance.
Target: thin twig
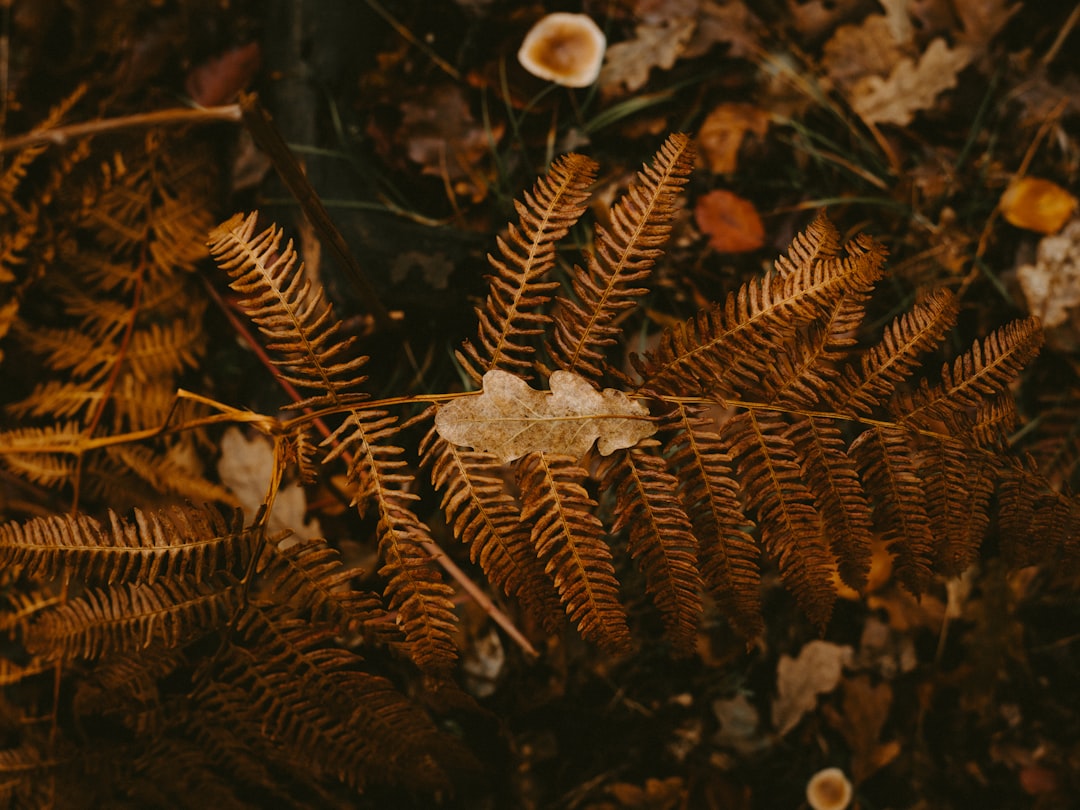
(266, 135)
(182, 115)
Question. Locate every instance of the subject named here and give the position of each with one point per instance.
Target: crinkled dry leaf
(723, 130)
(800, 680)
(627, 64)
(510, 419)
(1052, 285)
(1037, 205)
(912, 86)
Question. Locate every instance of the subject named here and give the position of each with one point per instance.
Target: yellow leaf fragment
(510, 419)
(1037, 205)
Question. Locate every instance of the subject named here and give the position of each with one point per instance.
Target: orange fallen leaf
(1038, 205)
(731, 223)
(723, 131)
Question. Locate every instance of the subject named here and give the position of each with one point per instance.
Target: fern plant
(765, 430)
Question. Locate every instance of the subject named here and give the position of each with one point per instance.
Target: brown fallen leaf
(1037, 205)
(731, 222)
(723, 131)
(510, 419)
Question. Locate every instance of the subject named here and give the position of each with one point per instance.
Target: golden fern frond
(729, 347)
(728, 555)
(512, 315)
(830, 474)
(162, 473)
(889, 470)
(44, 455)
(770, 478)
(167, 349)
(486, 517)
(22, 606)
(569, 539)
(661, 540)
(293, 315)
(416, 591)
(310, 577)
(890, 362)
(621, 260)
(178, 543)
(129, 617)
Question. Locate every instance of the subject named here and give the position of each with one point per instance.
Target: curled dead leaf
(510, 419)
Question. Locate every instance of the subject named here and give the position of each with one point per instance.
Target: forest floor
(947, 129)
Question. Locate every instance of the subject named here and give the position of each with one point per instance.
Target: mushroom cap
(829, 789)
(564, 48)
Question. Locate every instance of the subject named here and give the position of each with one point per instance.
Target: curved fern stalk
(299, 324)
(485, 517)
(130, 617)
(729, 348)
(179, 543)
(512, 317)
(569, 539)
(661, 539)
(622, 259)
(728, 556)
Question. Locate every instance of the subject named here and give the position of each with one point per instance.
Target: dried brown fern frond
(179, 543)
(293, 315)
(315, 703)
(512, 316)
(126, 617)
(622, 258)
(485, 516)
(569, 539)
(730, 347)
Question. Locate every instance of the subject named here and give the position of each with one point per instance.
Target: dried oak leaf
(864, 710)
(1052, 285)
(911, 86)
(731, 222)
(627, 64)
(510, 419)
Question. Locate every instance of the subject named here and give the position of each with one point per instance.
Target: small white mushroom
(828, 789)
(567, 49)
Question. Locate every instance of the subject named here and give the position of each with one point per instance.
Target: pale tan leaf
(510, 419)
(800, 680)
(912, 86)
(1052, 285)
(627, 64)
